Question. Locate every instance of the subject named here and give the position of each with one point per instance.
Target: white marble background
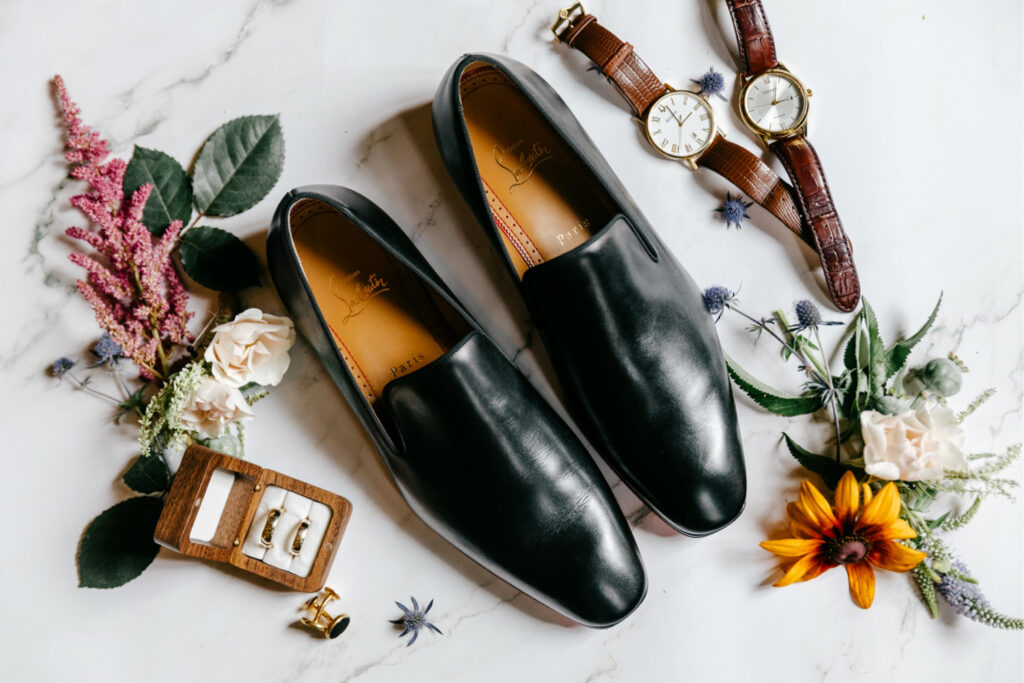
(917, 115)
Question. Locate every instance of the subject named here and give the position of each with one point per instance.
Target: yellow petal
(792, 547)
(897, 529)
(866, 494)
(847, 497)
(894, 556)
(862, 583)
(797, 571)
(817, 570)
(883, 508)
(800, 524)
(816, 507)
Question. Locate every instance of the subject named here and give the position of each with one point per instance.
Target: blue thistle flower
(717, 299)
(734, 210)
(61, 366)
(106, 350)
(808, 317)
(711, 83)
(414, 620)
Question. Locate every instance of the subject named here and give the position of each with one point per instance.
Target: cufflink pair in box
(228, 510)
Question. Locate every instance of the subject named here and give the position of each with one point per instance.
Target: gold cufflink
(331, 627)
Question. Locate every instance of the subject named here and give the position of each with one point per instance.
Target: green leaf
(896, 356)
(828, 469)
(217, 259)
(171, 199)
(226, 443)
(238, 165)
(876, 354)
(148, 474)
(850, 352)
(770, 399)
(118, 545)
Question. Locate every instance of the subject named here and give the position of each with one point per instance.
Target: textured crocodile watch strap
(618, 62)
(753, 36)
(755, 179)
(804, 168)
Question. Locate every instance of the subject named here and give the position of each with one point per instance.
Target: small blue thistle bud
(106, 350)
(717, 299)
(711, 83)
(808, 317)
(734, 210)
(61, 366)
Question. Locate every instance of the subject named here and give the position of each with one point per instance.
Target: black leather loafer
(474, 449)
(624, 324)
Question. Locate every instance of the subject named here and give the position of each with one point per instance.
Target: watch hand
(684, 120)
(674, 115)
(775, 93)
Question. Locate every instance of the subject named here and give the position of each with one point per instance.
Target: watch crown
(810, 93)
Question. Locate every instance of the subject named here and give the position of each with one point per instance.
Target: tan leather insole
(384, 320)
(544, 200)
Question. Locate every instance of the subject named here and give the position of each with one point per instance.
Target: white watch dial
(680, 124)
(774, 102)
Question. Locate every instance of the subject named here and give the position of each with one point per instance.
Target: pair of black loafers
(474, 449)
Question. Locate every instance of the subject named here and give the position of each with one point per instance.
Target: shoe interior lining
(544, 200)
(383, 319)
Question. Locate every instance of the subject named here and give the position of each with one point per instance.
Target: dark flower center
(847, 549)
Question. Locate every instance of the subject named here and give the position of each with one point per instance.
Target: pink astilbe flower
(131, 283)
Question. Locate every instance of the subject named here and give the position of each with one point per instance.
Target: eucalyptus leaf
(770, 399)
(217, 259)
(238, 165)
(226, 443)
(896, 356)
(171, 199)
(118, 545)
(828, 469)
(148, 474)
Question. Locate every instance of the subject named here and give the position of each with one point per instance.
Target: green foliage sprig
(876, 377)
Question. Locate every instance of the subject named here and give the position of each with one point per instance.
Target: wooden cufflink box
(228, 510)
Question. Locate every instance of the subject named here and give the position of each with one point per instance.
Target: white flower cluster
(251, 349)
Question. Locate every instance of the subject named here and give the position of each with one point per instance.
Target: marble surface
(917, 115)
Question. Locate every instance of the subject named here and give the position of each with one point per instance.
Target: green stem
(89, 390)
(764, 326)
(832, 400)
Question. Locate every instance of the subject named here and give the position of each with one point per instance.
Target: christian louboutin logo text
(521, 161)
(356, 294)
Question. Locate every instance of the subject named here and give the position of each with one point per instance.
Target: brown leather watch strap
(759, 182)
(804, 168)
(753, 36)
(638, 84)
(618, 62)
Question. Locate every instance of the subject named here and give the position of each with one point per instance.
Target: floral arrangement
(189, 388)
(898, 464)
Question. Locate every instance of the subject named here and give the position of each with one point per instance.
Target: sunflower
(860, 533)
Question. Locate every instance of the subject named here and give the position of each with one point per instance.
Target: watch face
(775, 102)
(680, 124)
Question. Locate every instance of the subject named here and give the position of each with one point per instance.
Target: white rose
(912, 446)
(251, 348)
(211, 406)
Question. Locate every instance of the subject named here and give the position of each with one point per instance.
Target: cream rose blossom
(251, 348)
(912, 446)
(211, 406)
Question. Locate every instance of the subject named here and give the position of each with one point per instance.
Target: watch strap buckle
(566, 17)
